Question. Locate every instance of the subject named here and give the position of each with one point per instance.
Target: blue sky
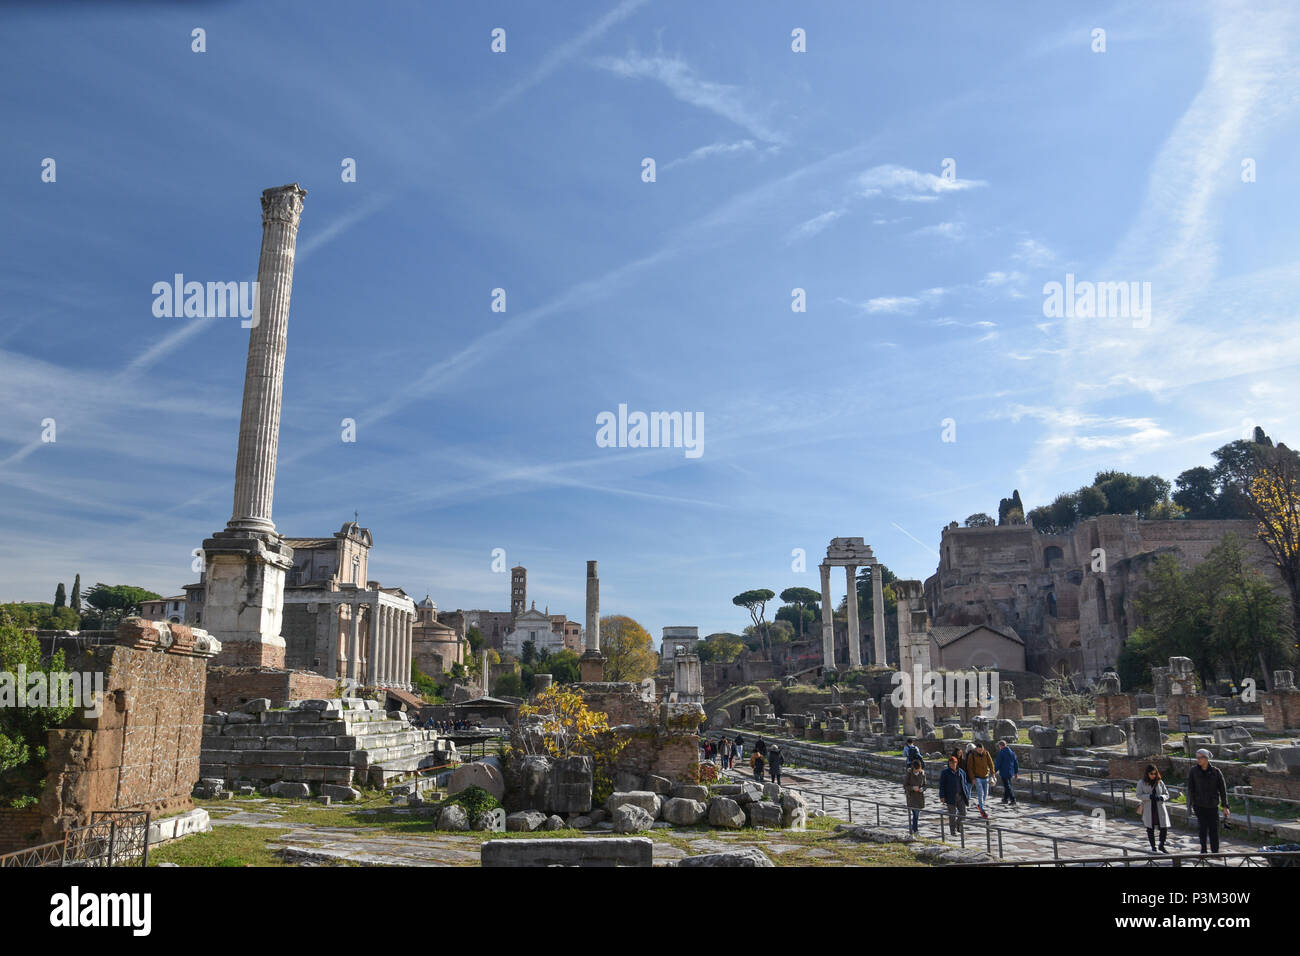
(522, 170)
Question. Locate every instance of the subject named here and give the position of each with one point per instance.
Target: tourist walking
(725, 746)
(1154, 795)
(914, 791)
(1206, 792)
(740, 747)
(979, 769)
(1008, 768)
(954, 793)
(756, 761)
(774, 760)
(760, 747)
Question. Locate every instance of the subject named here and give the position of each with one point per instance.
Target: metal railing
(112, 838)
(1244, 858)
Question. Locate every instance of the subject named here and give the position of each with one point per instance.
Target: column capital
(283, 204)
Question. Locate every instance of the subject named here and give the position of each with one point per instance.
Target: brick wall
(142, 750)
(229, 688)
(1196, 707)
(1281, 710)
(675, 756)
(1112, 708)
(20, 829)
(621, 702)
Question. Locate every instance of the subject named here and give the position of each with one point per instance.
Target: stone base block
(1112, 708)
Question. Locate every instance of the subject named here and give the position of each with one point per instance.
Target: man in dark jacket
(954, 793)
(1008, 766)
(1206, 792)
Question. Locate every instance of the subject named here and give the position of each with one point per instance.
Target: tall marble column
(828, 620)
(410, 651)
(855, 630)
(354, 648)
(382, 646)
(592, 663)
(878, 615)
(245, 564)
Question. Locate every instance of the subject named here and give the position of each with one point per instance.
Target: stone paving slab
(1042, 821)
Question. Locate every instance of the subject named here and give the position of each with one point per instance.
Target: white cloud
(680, 79)
(909, 185)
(714, 149)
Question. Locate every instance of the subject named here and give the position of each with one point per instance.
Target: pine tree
(60, 596)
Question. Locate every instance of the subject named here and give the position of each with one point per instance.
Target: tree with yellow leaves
(628, 648)
(560, 724)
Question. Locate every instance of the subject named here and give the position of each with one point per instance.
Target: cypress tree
(60, 596)
(76, 594)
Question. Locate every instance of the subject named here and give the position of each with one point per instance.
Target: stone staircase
(341, 741)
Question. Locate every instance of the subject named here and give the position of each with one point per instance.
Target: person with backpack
(914, 792)
(1153, 793)
(756, 761)
(954, 793)
(1206, 792)
(912, 752)
(1008, 767)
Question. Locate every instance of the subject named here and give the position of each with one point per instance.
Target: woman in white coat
(1153, 793)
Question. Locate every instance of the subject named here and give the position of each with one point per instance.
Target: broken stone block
(554, 822)
(287, 789)
(1232, 735)
(1005, 730)
(952, 731)
(791, 803)
(484, 773)
(763, 814)
(1144, 738)
(725, 812)
(525, 821)
(453, 817)
(876, 834)
(1043, 737)
(1284, 760)
(571, 783)
(691, 791)
(527, 782)
(684, 812)
(750, 856)
(1069, 722)
(342, 794)
(1106, 735)
(1076, 738)
(631, 818)
(258, 705)
(651, 803)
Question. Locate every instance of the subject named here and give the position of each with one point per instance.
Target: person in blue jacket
(954, 794)
(1007, 766)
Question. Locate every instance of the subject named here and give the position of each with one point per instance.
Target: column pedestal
(244, 596)
(591, 667)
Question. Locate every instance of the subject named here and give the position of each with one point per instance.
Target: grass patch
(225, 846)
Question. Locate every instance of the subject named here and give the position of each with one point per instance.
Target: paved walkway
(1049, 831)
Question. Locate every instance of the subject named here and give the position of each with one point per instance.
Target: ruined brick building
(1072, 619)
